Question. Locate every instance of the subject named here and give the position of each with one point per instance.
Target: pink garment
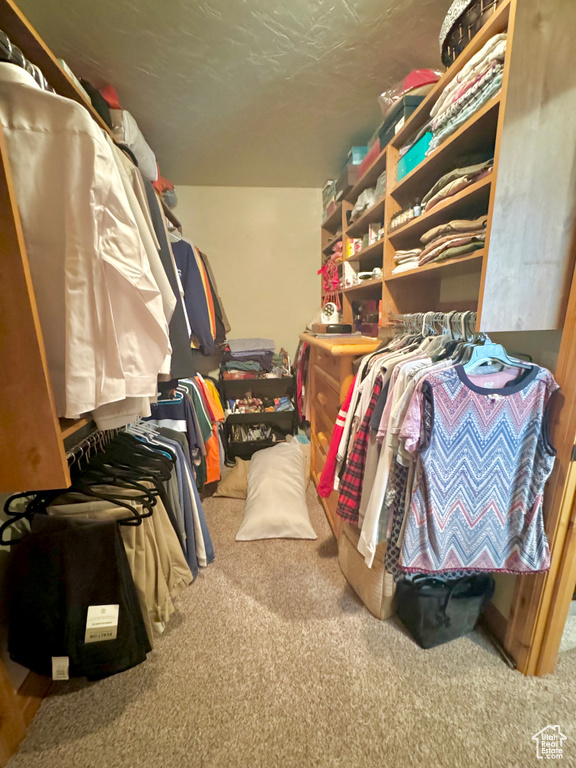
(326, 482)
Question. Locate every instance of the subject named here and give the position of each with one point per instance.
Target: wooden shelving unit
(71, 426)
(477, 134)
(363, 285)
(334, 221)
(327, 249)
(472, 199)
(373, 214)
(461, 266)
(369, 178)
(420, 289)
(370, 253)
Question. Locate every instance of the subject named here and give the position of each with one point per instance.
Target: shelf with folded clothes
(470, 202)
(496, 23)
(372, 215)
(463, 265)
(475, 137)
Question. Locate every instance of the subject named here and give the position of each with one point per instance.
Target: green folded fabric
(459, 250)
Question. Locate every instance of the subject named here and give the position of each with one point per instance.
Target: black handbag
(435, 610)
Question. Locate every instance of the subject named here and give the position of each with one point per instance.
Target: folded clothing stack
(472, 87)
(453, 239)
(406, 260)
(454, 181)
(248, 355)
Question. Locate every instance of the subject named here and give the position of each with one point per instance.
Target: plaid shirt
(353, 478)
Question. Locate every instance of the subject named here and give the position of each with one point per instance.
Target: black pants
(55, 573)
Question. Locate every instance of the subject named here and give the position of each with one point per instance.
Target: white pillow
(125, 130)
(276, 502)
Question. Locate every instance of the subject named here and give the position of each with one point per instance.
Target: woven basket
(463, 20)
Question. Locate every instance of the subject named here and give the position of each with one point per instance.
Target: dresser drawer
(326, 400)
(320, 445)
(325, 380)
(328, 363)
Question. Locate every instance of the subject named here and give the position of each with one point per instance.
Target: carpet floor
(271, 660)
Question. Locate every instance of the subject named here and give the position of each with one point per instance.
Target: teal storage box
(356, 155)
(414, 156)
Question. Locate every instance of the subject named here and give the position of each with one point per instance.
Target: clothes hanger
(491, 352)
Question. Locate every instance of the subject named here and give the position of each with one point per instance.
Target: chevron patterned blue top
(483, 457)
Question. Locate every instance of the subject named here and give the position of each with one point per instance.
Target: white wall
(264, 247)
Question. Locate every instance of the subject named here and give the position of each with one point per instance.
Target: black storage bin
(436, 610)
(401, 110)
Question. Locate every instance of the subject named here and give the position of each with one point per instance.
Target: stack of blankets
(248, 358)
(478, 82)
(406, 260)
(454, 239)
(454, 181)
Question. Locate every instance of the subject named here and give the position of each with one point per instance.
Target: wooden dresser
(330, 376)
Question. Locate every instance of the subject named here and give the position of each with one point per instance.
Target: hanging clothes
(445, 465)
(101, 311)
(196, 296)
(182, 360)
(56, 574)
(483, 457)
(217, 299)
(129, 535)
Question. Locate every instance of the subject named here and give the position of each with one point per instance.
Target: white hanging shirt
(100, 309)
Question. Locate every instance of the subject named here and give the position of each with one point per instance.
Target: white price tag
(101, 623)
(399, 124)
(60, 667)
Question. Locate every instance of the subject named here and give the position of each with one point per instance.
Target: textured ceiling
(245, 92)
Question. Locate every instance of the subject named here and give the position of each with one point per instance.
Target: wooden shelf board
(369, 178)
(70, 426)
(170, 215)
(477, 133)
(462, 266)
(370, 252)
(363, 285)
(475, 196)
(498, 22)
(334, 220)
(328, 249)
(374, 213)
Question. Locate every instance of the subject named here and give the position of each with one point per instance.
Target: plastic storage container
(356, 155)
(414, 156)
